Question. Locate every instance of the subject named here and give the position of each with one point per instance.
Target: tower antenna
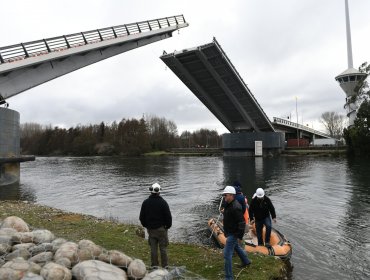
(349, 41)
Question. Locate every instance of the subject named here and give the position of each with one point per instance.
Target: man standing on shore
(234, 225)
(155, 216)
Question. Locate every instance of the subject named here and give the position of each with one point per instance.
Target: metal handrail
(299, 126)
(44, 46)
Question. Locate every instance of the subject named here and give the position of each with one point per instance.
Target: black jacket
(261, 209)
(234, 223)
(155, 213)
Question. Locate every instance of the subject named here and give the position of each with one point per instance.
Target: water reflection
(322, 204)
(355, 223)
(17, 192)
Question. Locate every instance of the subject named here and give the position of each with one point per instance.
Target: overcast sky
(282, 49)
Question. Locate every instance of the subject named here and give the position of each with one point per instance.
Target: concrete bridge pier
(10, 157)
(243, 143)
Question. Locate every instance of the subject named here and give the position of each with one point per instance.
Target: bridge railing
(299, 126)
(40, 47)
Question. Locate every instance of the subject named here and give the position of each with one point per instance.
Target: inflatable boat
(280, 246)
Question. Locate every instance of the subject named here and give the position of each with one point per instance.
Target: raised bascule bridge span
(27, 65)
(209, 74)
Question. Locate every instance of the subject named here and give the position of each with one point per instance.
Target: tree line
(127, 137)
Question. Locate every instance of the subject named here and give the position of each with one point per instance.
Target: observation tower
(351, 79)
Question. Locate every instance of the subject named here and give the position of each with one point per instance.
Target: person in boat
(261, 210)
(240, 196)
(234, 225)
(155, 216)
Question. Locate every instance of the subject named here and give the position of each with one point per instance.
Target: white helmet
(155, 188)
(229, 189)
(260, 192)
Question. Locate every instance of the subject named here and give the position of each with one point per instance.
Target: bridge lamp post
(296, 112)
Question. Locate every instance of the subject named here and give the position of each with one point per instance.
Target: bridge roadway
(210, 75)
(26, 65)
(290, 130)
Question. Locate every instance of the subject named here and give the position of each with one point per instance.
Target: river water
(322, 203)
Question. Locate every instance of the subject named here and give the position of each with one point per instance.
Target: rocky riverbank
(39, 255)
(75, 246)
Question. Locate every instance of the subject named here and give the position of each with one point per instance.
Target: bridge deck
(210, 75)
(26, 65)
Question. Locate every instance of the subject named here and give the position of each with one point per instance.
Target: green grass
(205, 261)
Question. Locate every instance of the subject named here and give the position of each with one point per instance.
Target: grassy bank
(204, 261)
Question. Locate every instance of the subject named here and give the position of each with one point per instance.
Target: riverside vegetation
(201, 260)
(128, 137)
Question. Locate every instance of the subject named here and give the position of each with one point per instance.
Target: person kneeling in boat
(234, 226)
(260, 210)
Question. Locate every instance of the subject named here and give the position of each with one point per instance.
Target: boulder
(23, 237)
(64, 262)
(57, 243)
(32, 276)
(44, 247)
(42, 236)
(20, 253)
(16, 223)
(136, 269)
(90, 246)
(7, 231)
(42, 258)
(17, 268)
(97, 270)
(5, 244)
(68, 250)
(54, 271)
(27, 246)
(115, 257)
(158, 274)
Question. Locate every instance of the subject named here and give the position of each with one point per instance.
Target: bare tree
(334, 124)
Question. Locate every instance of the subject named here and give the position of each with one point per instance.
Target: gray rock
(136, 269)
(7, 231)
(44, 247)
(5, 245)
(43, 236)
(64, 262)
(32, 276)
(115, 257)
(27, 246)
(158, 274)
(10, 274)
(97, 270)
(68, 250)
(89, 249)
(16, 223)
(19, 266)
(22, 253)
(54, 271)
(57, 243)
(23, 237)
(42, 258)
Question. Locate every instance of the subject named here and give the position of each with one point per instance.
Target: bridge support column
(9, 146)
(10, 157)
(243, 143)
